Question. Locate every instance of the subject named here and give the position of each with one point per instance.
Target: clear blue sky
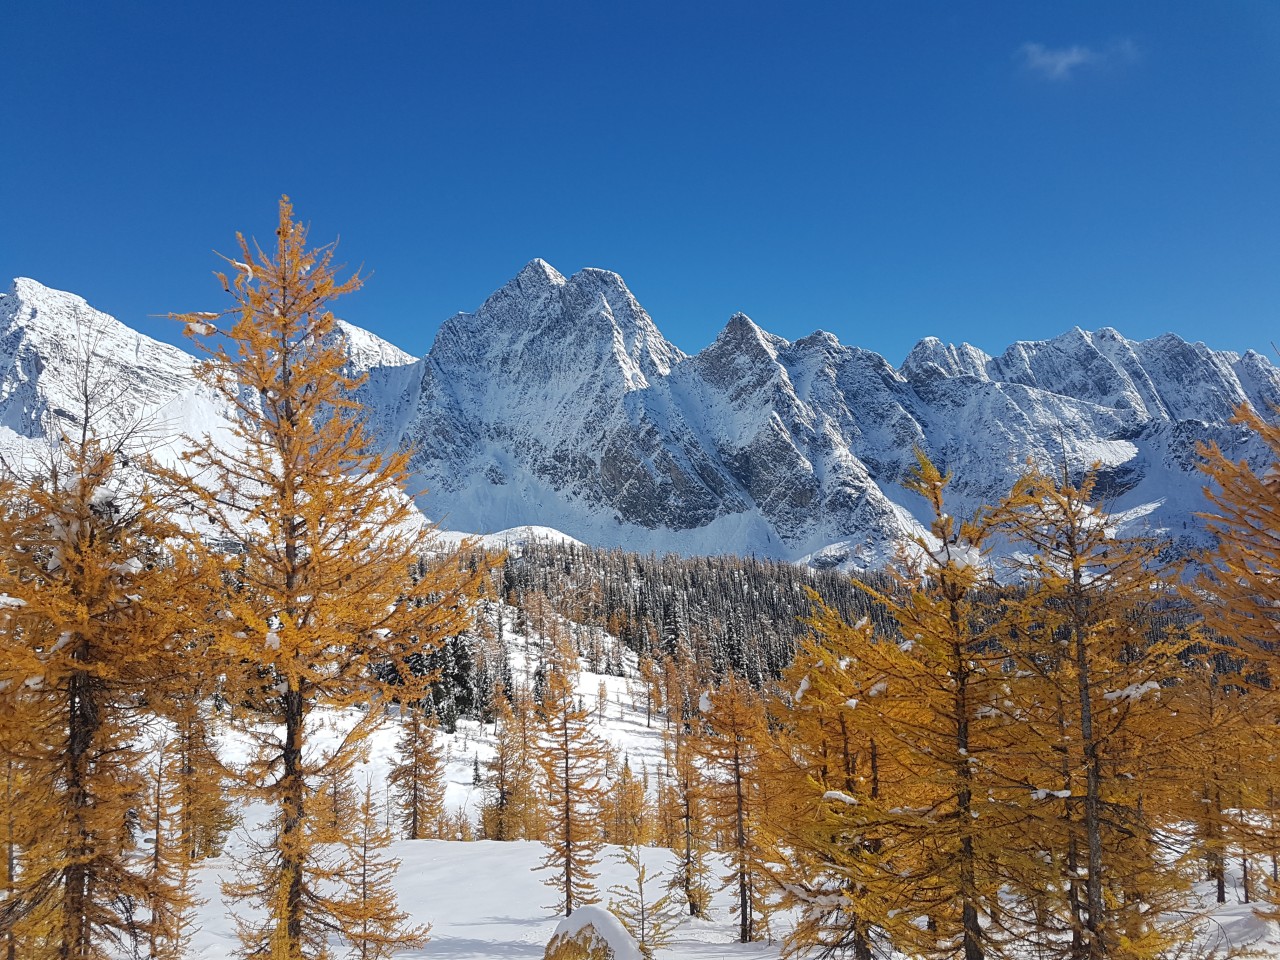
(883, 170)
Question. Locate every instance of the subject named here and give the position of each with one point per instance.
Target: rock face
(558, 402)
(50, 342)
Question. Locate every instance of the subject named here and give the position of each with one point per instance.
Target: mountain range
(558, 402)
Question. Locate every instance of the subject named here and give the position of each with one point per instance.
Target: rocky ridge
(558, 402)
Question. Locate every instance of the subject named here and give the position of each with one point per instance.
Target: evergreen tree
(328, 586)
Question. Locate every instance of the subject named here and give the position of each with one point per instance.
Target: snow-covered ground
(484, 900)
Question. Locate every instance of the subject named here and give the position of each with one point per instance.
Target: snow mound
(517, 537)
(598, 931)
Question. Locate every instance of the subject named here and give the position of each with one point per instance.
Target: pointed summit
(538, 273)
(742, 337)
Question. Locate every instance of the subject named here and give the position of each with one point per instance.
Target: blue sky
(883, 170)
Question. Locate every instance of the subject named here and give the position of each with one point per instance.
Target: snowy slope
(485, 900)
(53, 345)
(558, 403)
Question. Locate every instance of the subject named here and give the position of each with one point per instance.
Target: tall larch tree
(15, 836)
(573, 764)
(169, 860)
(684, 804)
(941, 690)
(94, 610)
(1241, 581)
(1093, 721)
(334, 580)
(512, 808)
(734, 715)
(838, 798)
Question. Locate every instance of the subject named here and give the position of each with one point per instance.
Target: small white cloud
(1061, 63)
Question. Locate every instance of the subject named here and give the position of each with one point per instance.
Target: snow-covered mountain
(559, 403)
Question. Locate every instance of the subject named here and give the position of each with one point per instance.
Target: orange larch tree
(93, 609)
(1239, 594)
(328, 591)
(573, 761)
(731, 749)
(417, 775)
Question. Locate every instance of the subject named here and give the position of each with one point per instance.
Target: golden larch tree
(649, 919)
(735, 720)
(94, 610)
(512, 808)
(417, 774)
(941, 689)
(169, 860)
(683, 802)
(837, 798)
(371, 919)
(1239, 591)
(573, 765)
(334, 581)
(1093, 721)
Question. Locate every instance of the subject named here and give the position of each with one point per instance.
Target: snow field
(483, 899)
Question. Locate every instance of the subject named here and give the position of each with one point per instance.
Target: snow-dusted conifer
(573, 761)
(650, 922)
(330, 586)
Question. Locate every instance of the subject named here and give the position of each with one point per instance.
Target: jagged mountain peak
(586, 325)
(367, 350)
(538, 272)
(933, 358)
(743, 335)
(819, 340)
(559, 402)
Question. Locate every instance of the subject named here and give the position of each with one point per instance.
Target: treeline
(738, 614)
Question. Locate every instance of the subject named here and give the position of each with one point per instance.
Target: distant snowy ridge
(558, 403)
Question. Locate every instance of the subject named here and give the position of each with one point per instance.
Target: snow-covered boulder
(592, 933)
